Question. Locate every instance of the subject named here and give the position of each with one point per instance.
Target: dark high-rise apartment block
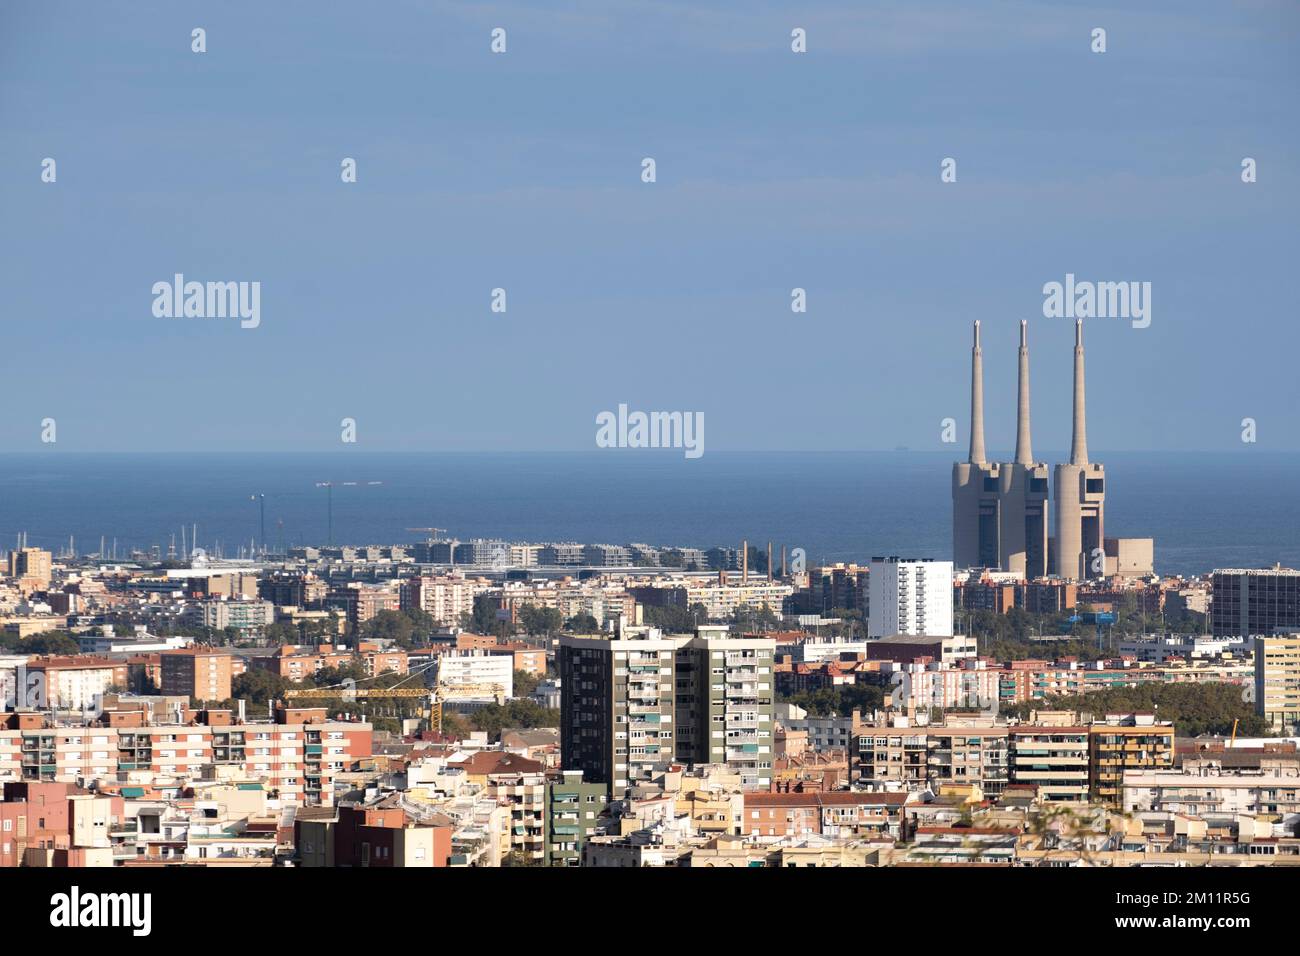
(1254, 602)
(637, 701)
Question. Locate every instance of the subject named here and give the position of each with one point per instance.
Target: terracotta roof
(498, 761)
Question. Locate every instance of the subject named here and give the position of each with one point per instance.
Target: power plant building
(1000, 511)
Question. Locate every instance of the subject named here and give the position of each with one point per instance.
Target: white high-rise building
(909, 597)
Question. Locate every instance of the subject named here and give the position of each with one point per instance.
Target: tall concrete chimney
(1079, 447)
(744, 562)
(1024, 447)
(769, 560)
(976, 456)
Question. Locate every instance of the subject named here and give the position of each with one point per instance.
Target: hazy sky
(522, 171)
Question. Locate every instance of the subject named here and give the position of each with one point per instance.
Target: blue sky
(522, 171)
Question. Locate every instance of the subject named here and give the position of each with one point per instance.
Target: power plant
(1000, 509)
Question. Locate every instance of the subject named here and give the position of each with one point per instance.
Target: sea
(1205, 510)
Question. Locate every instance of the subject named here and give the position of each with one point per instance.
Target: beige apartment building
(1277, 681)
(200, 672)
(1121, 743)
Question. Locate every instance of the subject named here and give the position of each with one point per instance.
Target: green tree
(525, 683)
(484, 618)
(258, 685)
(582, 624)
(540, 620)
(1194, 709)
(840, 701)
(48, 642)
(670, 619)
(514, 713)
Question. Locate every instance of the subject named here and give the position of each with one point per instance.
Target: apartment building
(724, 694)
(617, 705)
(525, 794)
(1047, 597)
(464, 670)
(1123, 743)
(298, 755)
(1158, 648)
(443, 597)
(894, 753)
(1253, 602)
(74, 682)
(906, 648)
(1052, 755)
(361, 602)
(573, 812)
(293, 589)
(833, 814)
(936, 686)
(1277, 681)
(37, 817)
(32, 568)
(203, 673)
(1272, 793)
(529, 659)
(821, 734)
(247, 617)
(909, 597)
(959, 751)
(386, 833)
(376, 661)
(296, 662)
(721, 599)
(634, 702)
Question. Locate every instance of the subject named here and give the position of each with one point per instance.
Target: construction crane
(432, 532)
(432, 710)
(433, 699)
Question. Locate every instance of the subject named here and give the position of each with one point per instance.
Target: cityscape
(1045, 700)
(358, 513)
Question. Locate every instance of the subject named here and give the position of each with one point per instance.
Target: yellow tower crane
(433, 698)
(432, 711)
